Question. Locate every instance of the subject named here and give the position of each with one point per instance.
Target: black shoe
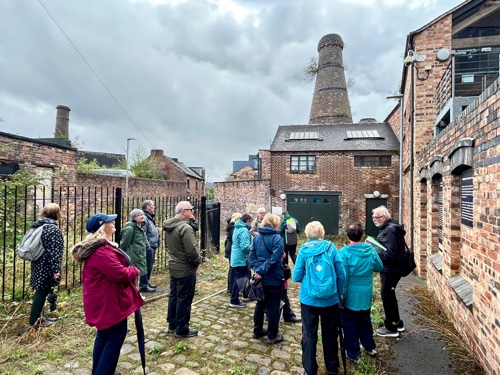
(147, 289)
(259, 334)
(293, 319)
(152, 286)
(171, 330)
(277, 339)
(190, 333)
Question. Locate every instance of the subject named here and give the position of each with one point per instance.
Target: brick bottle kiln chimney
(62, 122)
(330, 103)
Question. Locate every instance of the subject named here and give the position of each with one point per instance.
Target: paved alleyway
(225, 344)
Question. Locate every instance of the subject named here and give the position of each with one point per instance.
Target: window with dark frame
(303, 164)
(372, 161)
(467, 199)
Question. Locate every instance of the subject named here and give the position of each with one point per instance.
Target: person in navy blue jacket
(265, 259)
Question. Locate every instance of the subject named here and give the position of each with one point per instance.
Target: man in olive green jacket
(184, 259)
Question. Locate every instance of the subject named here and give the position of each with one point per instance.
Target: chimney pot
(368, 120)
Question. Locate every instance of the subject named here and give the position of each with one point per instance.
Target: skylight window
(361, 134)
(303, 135)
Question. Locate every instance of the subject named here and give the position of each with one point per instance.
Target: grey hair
(261, 209)
(383, 211)
(146, 203)
(135, 212)
(182, 205)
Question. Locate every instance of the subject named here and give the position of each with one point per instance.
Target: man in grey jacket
(152, 235)
(184, 260)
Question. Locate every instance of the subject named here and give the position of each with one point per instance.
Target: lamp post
(409, 62)
(401, 117)
(126, 177)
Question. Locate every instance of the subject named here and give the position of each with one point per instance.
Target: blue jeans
(388, 283)
(238, 273)
(271, 303)
(329, 323)
(179, 303)
(107, 345)
(357, 327)
(150, 260)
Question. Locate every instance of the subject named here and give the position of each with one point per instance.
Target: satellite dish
(443, 54)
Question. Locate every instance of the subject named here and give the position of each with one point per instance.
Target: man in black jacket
(391, 236)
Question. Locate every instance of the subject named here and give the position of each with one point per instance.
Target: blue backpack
(320, 273)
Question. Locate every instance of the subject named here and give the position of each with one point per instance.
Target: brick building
(451, 167)
(331, 170)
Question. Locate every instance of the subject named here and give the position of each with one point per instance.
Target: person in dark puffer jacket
(228, 243)
(391, 236)
(46, 270)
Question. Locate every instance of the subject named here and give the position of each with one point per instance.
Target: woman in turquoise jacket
(315, 305)
(242, 242)
(360, 260)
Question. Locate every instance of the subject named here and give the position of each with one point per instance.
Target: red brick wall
(336, 172)
(469, 252)
(31, 155)
(242, 196)
(245, 173)
(265, 164)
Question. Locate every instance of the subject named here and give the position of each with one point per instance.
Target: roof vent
(368, 120)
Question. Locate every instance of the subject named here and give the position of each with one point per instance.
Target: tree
(143, 167)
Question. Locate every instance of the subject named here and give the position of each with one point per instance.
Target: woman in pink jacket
(109, 291)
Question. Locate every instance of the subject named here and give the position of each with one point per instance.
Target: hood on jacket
(172, 223)
(230, 227)
(287, 216)
(268, 230)
(361, 250)
(314, 247)
(42, 221)
(394, 223)
(240, 224)
(84, 249)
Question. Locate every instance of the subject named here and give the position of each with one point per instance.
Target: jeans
(107, 345)
(272, 303)
(290, 250)
(238, 273)
(389, 281)
(143, 281)
(150, 260)
(38, 303)
(357, 327)
(230, 278)
(329, 323)
(179, 303)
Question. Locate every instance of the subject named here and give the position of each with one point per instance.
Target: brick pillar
(330, 103)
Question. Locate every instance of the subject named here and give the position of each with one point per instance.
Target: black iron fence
(20, 206)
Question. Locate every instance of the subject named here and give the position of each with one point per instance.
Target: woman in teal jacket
(242, 242)
(314, 308)
(360, 260)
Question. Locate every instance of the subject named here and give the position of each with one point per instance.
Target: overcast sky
(207, 81)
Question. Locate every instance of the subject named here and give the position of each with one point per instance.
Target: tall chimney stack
(330, 103)
(62, 122)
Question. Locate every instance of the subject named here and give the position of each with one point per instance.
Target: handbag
(254, 290)
(407, 261)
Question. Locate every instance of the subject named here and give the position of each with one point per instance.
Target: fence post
(118, 208)
(203, 219)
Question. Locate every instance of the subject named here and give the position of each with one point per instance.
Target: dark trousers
(38, 303)
(239, 272)
(107, 345)
(271, 303)
(230, 279)
(357, 327)
(150, 260)
(290, 250)
(179, 303)
(143, 281)
(287, 309)
(389, 281)
(310, 322)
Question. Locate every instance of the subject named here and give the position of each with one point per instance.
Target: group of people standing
(113, 276)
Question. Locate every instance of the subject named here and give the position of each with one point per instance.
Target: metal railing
(20, 206)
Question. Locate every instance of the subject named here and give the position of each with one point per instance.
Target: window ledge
(437, 261)
(463, 289)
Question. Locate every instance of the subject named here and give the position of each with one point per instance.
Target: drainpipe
(400, 98)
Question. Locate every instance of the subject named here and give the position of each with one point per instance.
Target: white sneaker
(373, 353)
(240, 305)
(384, 332)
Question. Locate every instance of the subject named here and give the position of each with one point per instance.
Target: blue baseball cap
(95, 221)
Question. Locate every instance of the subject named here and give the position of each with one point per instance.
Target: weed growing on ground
(181, 347)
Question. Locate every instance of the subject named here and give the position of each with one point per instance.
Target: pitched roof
(337, 137)
(103, 158)
(186, 170)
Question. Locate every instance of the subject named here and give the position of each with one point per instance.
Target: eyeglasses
(188, 209)
(377, 217)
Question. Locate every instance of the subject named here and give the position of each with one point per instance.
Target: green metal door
(307, 207)
(372, 203)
